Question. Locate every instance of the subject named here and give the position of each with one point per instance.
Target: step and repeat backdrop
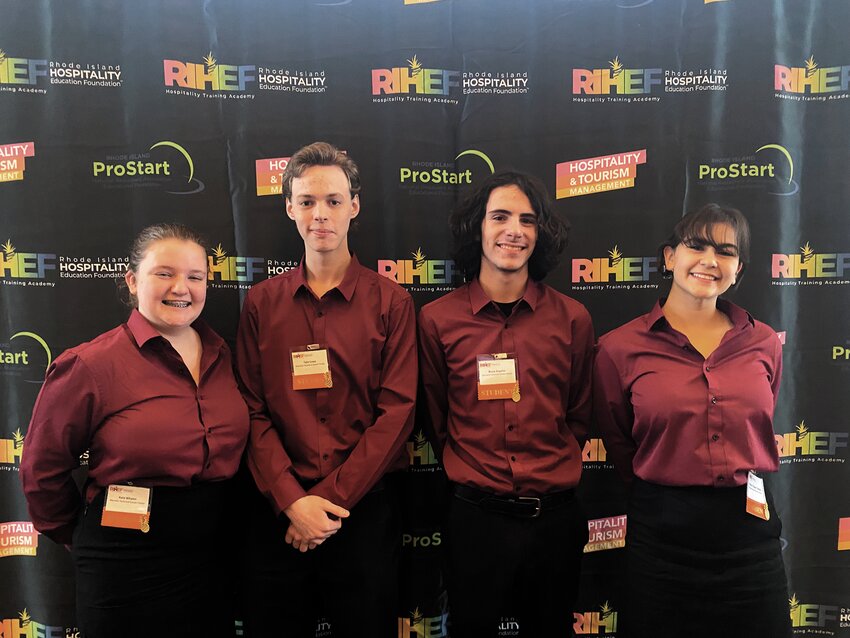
(117, 115)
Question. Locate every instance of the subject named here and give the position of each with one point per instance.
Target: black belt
(523, 506)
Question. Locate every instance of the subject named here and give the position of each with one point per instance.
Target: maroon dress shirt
(672, 417)
(337, 442)
(530, 447)
(128, 399)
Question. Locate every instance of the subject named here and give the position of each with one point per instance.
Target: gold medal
(328, 382)
(145, 525)
(766, 512)
(515, 396)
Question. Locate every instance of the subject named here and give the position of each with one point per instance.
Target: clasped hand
(309, 522)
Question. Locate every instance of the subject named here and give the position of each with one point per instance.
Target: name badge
(756, 499)
(127, 506)
(311, 368)
(497, 377)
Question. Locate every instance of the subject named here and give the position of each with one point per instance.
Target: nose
(320, 212)
(179, 286)
(515, 227)
(709, 256)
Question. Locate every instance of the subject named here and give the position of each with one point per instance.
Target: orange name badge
(497, 377)
(127, 506)
(311, 368)
(756, 499)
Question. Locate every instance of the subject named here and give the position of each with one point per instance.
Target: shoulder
(623, 339)
(564, 305)
(271, 288)
(447, 305)
(385, 287)
(764, 334)
(96, 356)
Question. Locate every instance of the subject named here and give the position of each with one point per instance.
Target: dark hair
(145, 239)
(320, 154)
(700, 225)
(465, 223)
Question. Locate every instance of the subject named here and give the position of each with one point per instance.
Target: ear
(355, 206)
(289, 212)
(669, 254)
(740, 268)
(130, 278)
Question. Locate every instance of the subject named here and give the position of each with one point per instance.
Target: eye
(728, 252)
(694, 244)
(529, 220)
(498, 217)
(197, 277)
(163, 274)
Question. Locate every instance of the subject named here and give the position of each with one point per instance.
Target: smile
(704, 277)
(177, 304)
(511, 248)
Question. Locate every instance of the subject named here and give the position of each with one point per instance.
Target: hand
(310, 525)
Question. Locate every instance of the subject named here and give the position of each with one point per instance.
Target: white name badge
(127, 506)
(756, 499)
(497, 377)
(311, 368)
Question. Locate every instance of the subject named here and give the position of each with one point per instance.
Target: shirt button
(320, 313)
(719, 479)
(322, 420)
(714, 437)
(513, 458)
(510, 428)
(714, 399)
(325, 457)
(708, 368)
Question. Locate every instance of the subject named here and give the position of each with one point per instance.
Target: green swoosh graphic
(472, 151)
(41, 341)
(183, 151)
(785, 152)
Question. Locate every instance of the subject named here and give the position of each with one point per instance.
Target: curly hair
(699, 225)
(465, 223)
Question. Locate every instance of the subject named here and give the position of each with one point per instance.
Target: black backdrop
(117, 115)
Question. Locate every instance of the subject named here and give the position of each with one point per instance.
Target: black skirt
(700, 566)
(171, 581)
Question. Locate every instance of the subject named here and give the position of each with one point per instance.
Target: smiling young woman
(155, 403)
(684, 397)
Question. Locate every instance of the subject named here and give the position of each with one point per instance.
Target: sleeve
(267, 460)
(612, 411)
(64, 417)
(433, 372)
(581, 378)
(380, 443)
(776, 378)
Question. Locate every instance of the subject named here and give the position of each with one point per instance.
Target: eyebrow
(706, 242)
(502, 210)
(305, 195)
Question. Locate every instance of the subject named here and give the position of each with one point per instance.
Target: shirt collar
(478, 299)
(346, 286)
(143, 332)
(739, 317)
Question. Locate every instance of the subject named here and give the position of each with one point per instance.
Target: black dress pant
(172, 581)
(351, 579)
(699, 564)
(505, 566)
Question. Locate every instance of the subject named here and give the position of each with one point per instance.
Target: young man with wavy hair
(505, 363)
